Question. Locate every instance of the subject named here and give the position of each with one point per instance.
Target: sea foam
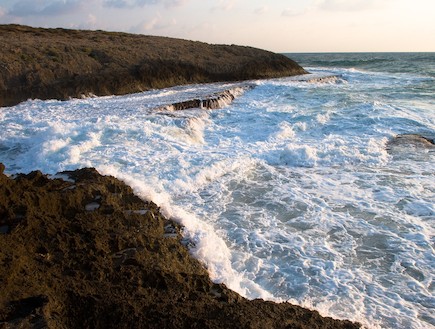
(289, 193)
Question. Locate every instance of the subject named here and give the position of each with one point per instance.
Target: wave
(417, 63)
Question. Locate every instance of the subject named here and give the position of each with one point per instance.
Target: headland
(61, 64)
(81, 250)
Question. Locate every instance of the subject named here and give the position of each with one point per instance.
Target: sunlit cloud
(349, 5)
(291, 12)
(128, 4)
(225, 5)
(91, 21)
(175, 3)
(153, 25)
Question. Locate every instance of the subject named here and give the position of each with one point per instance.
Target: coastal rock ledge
(80, 250)
(60, 63)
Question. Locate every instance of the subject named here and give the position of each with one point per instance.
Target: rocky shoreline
(80, 250)
(60, 63)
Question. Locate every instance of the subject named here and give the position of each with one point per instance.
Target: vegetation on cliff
(59, 63)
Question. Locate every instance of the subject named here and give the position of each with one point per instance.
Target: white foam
(286, 131)
(287, 194)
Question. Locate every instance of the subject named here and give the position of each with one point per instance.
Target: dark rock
(210, 102)
(410, 140)
(65, 267)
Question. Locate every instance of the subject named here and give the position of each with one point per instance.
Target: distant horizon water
(290, 193)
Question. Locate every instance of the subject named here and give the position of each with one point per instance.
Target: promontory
(60, 63)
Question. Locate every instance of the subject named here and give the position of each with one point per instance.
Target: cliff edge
(80, 250)
(60, 63)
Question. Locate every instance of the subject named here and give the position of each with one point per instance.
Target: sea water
(289, 193)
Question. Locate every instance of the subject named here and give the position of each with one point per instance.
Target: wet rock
(59, 63)
(406, 142)
(210, 102)
(122, 265)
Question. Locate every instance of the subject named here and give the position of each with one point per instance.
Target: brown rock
(120, 265)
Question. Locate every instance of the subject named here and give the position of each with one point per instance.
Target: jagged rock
(121, 265)
(210, 102)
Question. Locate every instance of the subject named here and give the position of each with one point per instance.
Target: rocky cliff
(80, 250)
(60, 63)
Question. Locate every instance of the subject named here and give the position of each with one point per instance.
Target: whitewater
(288, 193)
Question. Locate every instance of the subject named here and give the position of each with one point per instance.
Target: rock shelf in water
(86, 252)
(410, 140)
(210, 102)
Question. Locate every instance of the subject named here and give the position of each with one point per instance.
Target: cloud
(349, 5)
(225, 5)
(25, 8)
(91, 21)
(175, 3)
(142, 3)
(128, 3)
(155, 24)
(261, 10)
(291, 12)
(2, 12)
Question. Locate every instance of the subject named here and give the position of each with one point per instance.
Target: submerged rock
(404, 141)
(121, 265)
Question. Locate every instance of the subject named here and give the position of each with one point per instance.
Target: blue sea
(293, 192)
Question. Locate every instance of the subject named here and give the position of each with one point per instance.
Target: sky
(276, 25)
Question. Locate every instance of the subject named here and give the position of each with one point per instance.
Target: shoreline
(60, 63)
(93, 254)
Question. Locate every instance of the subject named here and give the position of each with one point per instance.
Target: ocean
(293, 192)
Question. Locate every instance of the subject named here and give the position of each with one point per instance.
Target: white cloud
(261, 10)
(175, 3)
(349, 5)
(128, 3)
(151, 25)
(291, 12)
(155, 24)
(142, 3)
(91, 21)
(225, 5)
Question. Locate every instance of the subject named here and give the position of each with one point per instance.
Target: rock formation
(80, 250)
(60, 63)
(410, 140)
(209, 102)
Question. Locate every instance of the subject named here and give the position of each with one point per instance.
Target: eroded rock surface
(88, 253)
